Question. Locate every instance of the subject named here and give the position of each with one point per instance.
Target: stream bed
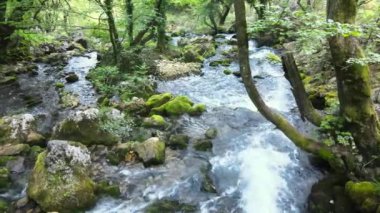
(254, 167)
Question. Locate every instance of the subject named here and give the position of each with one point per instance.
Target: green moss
(4, 178)
(178, 106)
(54, 192)
(8, 80)
(364, 194)
(273, 58)
(4, 206)
(154, 121)
(169, 206)
(158, 100)
(105, 188)
(5, 131)
(203, 145)
(227, 72)
(59, 85)
(223, 62)
(5, 159)
(113, 158)
(178, 141)
(197, 109)
(35, 151)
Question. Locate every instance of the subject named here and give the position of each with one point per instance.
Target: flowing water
(254, 167)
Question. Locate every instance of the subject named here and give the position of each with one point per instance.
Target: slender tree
(130, 22)
(161, 32)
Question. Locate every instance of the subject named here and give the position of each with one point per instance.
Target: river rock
(13, 149)
(178, 106)
(179, 141)
(15, 129)
(85, 127)
(151, 151)
(72, 77)
(35, 138)
(60, 178)
(155, 121)
(168, 70)
(211, 133)
(203, 145)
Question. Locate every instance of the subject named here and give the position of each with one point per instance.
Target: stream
(254, 167)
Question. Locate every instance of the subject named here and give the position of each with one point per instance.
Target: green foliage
(116, 125)
(332, 128)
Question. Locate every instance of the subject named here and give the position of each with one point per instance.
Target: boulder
(169, 70)
(15, 129)
(155, 121)
(170, 206)
(203, 145)
(158, 100)
(60, 178)
(72, 77)
(178, 106)
(86, 127)
(35, 138)
(13, 149)
(179, 141)
(211, 133)
(151, 151)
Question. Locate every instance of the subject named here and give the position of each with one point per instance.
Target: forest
(174, 106)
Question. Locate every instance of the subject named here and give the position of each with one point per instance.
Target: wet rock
(6, 80)
(197, 49)
(13, 149)
(168, 70)
(32, 100)
(22, 202)
(68, 99)
(136, 105)
(237, 74)
(82, 42)
(223, 62)
(72, 77)
(211, 133)
(207, 183)
(85, 126)
(179, 141)
(151, 151)
(203, 145)
(17, 165)
(60, 178)
(155, 121)
(35, 138)
(170, 206)
(227, 72)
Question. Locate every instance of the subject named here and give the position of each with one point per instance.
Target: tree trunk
(299, 139)
(354, 89)
(224, 14)
(130, 21)
(161, 32)
(114, 36)
(298, 89)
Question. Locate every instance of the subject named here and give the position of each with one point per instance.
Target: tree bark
(161, 32)
(306, 143)
(354, 89)
(114, 36)
(130, 21)
(224, 14)
(298, 89)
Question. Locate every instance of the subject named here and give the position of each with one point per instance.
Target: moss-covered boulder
(178, 106)
(158, 100)
(15, 129)
(155, 121)
(203, 145)
(60, 179)
(179, 141)
(13, 149)
(222, 62)
(170, 206)
(105, 188)
(86, 127)
(366, 195)
(151, 151)
(211, 133)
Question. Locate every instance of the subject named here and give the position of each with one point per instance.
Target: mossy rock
(5, 131)
(203, 145)
(154, 121)
(104, 188)
(227, 72)
(178, 106)
(14, 149)
(4, 206)
(211, 133)
(35, 151)
(207, 183)
(57, 192)
(6, 80)
(59, 85)
(364, 194)
(151, 152)
(179, 141)
(223, 62)
(170, 206)
(158, 100)
(273, 58)
(5, 181)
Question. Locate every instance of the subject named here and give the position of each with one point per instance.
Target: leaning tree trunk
(306, 143)
(161, 32)
(354, 89)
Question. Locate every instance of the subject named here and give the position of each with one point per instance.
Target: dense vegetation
(328, 49)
